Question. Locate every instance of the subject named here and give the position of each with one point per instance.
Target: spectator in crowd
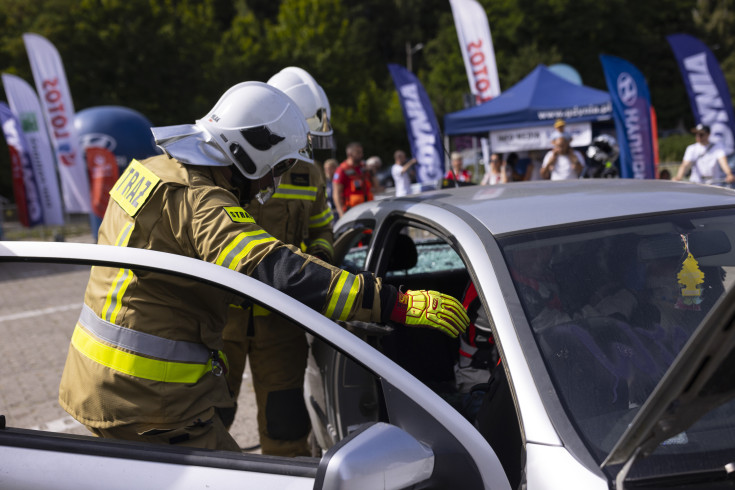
(516, 170)
(330, 166)
(458, 170)
(400, 172)
(706, 159)
(533, 169)
(351, 183)
(562, 162)
(498, 171)
(373, 166)
(664, 174)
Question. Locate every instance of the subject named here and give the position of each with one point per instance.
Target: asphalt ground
(39, 307)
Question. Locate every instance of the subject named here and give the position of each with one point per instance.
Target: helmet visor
(283, 167)
(320, 130)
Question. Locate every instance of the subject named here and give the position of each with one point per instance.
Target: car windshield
(611, 305)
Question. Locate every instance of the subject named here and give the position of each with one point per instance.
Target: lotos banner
(52, 87)
(707, 88)
(25, 190)
(26, 107)
(631, 103)
(423, 129)
(476, 44)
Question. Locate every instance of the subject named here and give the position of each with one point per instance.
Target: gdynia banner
(707, 88)
(26, 107)
(631, 102)
(423, 129)
(53, 90)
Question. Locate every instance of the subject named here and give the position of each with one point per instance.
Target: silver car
(586, 293)
(601, 314)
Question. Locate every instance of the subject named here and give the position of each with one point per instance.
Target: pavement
(39, 306)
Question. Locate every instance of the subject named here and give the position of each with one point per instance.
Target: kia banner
(476, 44)
(707, 88)
(53, 90)
(631, 102)
(423, 129)
(26, 107)
(25, 190)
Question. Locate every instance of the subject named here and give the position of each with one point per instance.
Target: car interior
(419, 258)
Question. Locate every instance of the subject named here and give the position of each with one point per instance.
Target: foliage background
(172, 59)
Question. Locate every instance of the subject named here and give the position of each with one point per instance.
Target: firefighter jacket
(298, 213)
(146, 347)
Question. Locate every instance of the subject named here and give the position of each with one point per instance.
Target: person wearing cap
(562, 162)
(706, 159)
(145, 361)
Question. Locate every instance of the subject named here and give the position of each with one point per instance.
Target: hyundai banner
(53, 90)
(26, 107)
(631, 102)
(476, 44)
(423, 129)
(25, 190)
(707, 88)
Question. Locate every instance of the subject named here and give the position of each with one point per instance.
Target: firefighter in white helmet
(145, 361)
(297, 214)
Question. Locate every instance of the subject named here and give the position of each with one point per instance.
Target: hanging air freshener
(690, 278)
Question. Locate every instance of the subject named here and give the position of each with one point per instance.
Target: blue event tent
(537, 100)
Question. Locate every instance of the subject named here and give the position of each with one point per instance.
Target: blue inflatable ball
(123, 131)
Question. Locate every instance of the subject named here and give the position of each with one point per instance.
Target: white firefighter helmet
(254, 126)
(298, 84)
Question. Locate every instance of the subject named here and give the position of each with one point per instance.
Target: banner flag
(103, 173)
(423, 129)
(51, 84)
(707, 88)
(26, 107)
(30, 212)
(631, 103)
(476, 44)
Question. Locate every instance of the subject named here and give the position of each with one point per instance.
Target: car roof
(522, 206)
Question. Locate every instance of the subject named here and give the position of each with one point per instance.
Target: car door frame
(418, 410)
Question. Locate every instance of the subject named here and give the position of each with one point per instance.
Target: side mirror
(379, 455)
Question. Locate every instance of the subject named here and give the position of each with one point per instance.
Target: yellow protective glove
(431, 309)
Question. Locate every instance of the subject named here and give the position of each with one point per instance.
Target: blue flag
(25, 188)
(423, 129)
(707, 88)
(631, 102)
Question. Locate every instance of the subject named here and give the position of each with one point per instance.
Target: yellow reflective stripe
(241, 246)
(113, 302)
(134, 365)
(322, 243)
(321, 219)
(290, 191)
(343, 296)
(260, 311)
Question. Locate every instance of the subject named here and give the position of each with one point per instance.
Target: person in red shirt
(351, 182)
(458, 169)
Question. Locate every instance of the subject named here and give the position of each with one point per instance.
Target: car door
(417, 442)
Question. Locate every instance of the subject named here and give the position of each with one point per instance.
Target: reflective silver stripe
(295, 192)
(346, 296)
(321, 219)
(241, 246)
(143, 343)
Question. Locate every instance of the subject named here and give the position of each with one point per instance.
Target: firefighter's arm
(321, 238)
(430, 309)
